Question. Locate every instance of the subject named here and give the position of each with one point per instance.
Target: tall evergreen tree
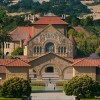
(4, 37)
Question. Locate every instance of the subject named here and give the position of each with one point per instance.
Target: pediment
(49, 33)
(50, 57)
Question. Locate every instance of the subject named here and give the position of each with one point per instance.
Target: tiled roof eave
(86, 66)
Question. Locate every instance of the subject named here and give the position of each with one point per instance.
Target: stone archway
(50, 71)
(67, 72)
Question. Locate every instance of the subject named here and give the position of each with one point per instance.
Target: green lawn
(59, 87)
(38, 87)
(10, 98)
(91, 99)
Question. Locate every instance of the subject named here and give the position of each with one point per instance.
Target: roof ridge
(45, 18)
(11, 62)
(17, 60)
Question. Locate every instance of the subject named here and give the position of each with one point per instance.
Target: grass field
(37, 81)
(38, 87)
(59, 87)
(91, 99)
(10, 98)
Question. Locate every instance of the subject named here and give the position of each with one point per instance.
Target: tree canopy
(16, 88)
(82, 86)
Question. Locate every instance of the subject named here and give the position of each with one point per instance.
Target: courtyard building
(48, 53)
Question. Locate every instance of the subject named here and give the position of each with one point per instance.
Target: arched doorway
(68, 73)
(50, 72)
(49, 47)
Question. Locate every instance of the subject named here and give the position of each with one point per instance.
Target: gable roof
(47, 54)
(13, 63)
(5, 61)
(85, 62)
(46, 20)
(20, 33)
(45, 29)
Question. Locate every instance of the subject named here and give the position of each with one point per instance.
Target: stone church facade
(48, 53)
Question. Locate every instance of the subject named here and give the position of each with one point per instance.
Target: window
(7, 45)
(49, 69)
(37, 49)
(64, 49)
(40, 49)
(49, 47)
(34, 49)
(59, 50)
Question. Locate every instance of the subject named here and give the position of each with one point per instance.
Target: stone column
(73, 71)
(25, 51)
(61, 77)
(21, 43)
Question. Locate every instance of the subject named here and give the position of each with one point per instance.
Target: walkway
(50, 87)
(51, 96)
(50, 93)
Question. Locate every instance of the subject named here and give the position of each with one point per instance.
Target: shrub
(82, 86)
(16, 87)
(60, 83)
(18, 51)
(38, 83)
(98, 51)
(0, 90)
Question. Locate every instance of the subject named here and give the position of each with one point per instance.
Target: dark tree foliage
(10, 22)
(16, 88)
(0, 90)
(72, 20)
(98, 51)
(82, 86)
(58, 7)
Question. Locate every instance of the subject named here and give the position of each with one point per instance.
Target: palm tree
(4, 37)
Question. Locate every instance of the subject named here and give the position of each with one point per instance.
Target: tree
(71, 32)
(88, 21)
(83, 86)
(18, 51)
(16, 88)
(0, 90)
(4, 37)
(98, 51)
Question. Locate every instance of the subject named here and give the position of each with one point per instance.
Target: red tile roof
(5, 61)
(46, 20)
(2, 69)
(13, 63)
(85, 62)
(20, 33)
(27, 39)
